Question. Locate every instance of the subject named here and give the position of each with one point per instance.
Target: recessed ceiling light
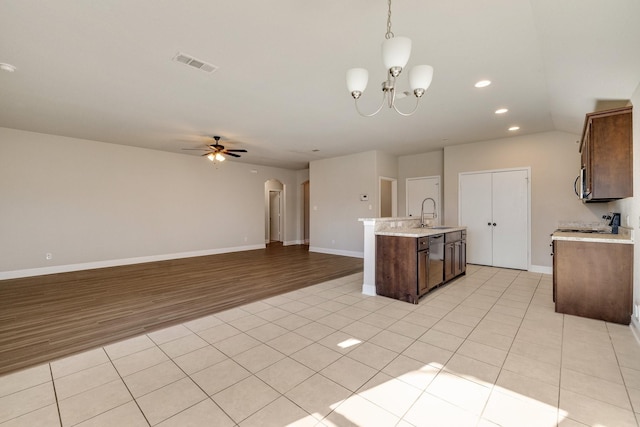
(514, 128)
(501, 110)
(7, 67)
(483, 83)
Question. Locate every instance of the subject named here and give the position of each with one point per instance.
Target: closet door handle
(489, 224)
(494, 224)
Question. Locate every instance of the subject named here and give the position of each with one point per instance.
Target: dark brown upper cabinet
(606, 151)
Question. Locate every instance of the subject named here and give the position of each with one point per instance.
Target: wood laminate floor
(44, 318)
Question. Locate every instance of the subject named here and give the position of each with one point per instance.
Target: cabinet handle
(489, 224)
(494, 224)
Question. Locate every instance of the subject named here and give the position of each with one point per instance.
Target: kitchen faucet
(422, 224)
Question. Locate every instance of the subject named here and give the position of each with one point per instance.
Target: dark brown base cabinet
(593, 280)
(455, 254)
(403, 266)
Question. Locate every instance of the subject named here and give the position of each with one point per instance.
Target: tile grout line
(55, 393)
(126, 385)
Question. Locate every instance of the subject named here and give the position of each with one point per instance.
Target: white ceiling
(102, 70)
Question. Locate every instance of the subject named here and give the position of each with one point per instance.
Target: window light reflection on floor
(349, 343)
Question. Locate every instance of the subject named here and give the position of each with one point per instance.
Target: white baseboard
(353, 254)
(541, 269)
(369, 290)
(292, 242)
(16, 274)
(635, 329)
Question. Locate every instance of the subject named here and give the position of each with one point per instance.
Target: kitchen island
(397, 259)
(593, 275)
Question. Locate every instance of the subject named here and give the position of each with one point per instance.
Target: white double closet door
(495, 208)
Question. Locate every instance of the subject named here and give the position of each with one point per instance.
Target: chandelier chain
(389, 33)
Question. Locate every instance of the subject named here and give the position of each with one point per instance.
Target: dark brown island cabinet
(407, 268)
(594, 280)
(455, 254)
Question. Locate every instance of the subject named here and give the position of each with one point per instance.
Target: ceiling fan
(216, 151)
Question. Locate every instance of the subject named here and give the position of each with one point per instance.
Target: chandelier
(395, 55)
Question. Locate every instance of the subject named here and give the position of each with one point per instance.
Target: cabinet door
(475, 213)
(449, 261)
(463, 256)
(510, 216)
(460, 262)
(611, 157)
(423, 272)
(594, 280)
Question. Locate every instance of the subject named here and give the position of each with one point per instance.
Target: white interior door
(475, 212)
(274, 216)
(420, 188)
(510, 216)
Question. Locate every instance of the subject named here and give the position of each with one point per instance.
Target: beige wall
(555, 163)
(90, 202)
(630, 207)
(414, 166)
(336, 186)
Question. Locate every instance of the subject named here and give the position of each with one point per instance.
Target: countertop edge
(417, 232)
(593, 238)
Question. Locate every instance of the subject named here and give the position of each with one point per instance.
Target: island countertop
(418, 231)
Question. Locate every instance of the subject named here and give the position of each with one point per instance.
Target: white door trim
(524, 168)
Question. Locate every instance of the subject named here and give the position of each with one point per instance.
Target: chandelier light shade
(395, 56)
(357, 79)
(420, 78)
(396, 52)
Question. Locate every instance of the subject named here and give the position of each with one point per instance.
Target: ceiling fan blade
(216, 147)
(232, 154)
(237, 151)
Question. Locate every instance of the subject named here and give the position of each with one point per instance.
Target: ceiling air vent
(195, 63)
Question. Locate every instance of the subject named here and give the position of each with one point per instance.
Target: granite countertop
(623, 238)
(417, 231)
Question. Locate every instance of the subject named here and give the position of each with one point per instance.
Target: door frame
(523, 168)
(306, 192)
(394, 195)
(280, 205)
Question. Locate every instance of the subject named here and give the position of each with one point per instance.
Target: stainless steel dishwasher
(436, 261)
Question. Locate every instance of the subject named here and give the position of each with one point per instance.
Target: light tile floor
(485, 350)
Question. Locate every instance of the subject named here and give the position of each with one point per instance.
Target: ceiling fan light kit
(395, 55)
(216, 152)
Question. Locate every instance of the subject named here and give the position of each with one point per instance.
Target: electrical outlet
(48, 256)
